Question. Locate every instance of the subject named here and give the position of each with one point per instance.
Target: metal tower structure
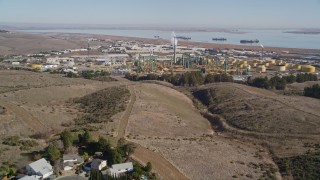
(174, 43)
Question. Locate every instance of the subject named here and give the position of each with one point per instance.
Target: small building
(15, 63)
(40, 168)
(98, 164)
(118, 169)
(71, 160)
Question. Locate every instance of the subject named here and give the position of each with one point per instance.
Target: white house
(118, 169)
(40, 168)
(98, 164)
(70, 160)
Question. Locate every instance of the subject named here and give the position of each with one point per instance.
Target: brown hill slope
(262, 111)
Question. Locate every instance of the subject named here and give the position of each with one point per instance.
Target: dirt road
(159, 163)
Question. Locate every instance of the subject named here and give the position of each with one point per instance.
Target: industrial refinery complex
(139, 58)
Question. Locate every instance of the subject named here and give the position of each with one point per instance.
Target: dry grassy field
(168, 129)
(165, 121)
(37, 102)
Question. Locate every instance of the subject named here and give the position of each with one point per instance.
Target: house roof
(68, 163)
(41, 166)
(124, 166)
(96, 163)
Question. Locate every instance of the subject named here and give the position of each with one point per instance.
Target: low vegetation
(300, 167)
(16, 141)
(99, 75)
(100, 106)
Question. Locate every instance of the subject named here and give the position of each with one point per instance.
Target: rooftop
(41, 166)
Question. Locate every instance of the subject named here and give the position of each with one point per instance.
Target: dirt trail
(26, 117)
(125, 118)
(159, 164)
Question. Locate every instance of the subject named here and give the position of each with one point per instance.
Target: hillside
(289, 126)
(33, 104)
(165, 121)
(260, 110)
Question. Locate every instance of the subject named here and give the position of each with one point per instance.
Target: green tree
(116, 156)
(313, 91)
(291, 79)
(4, 170)
(185, 79)
(95, 175)
(67, 138)
(260, 82)
(7, 170)
(281, 84)
(85, 156)
(148, 167)
(103, 144)
(53, 152)
(85, 138)
(128, 149)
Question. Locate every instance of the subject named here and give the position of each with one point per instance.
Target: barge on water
(219, 39)
(250, 41)
(183, 37)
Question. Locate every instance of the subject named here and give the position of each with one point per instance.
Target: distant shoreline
(200, 44)
(20, 43)
(303, 32)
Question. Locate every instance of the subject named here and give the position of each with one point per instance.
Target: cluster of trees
(90, 74)
(280, 83)
(193, 78)
(114, 155)
(313, 91)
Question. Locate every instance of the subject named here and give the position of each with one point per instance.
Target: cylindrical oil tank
(308, 68)
(261, 69)
(280, 68)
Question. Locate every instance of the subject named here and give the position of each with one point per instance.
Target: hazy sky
(209, 13)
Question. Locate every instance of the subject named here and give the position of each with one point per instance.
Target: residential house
(71, 160)
(117, 169)
(98, 164)
(40, 168)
